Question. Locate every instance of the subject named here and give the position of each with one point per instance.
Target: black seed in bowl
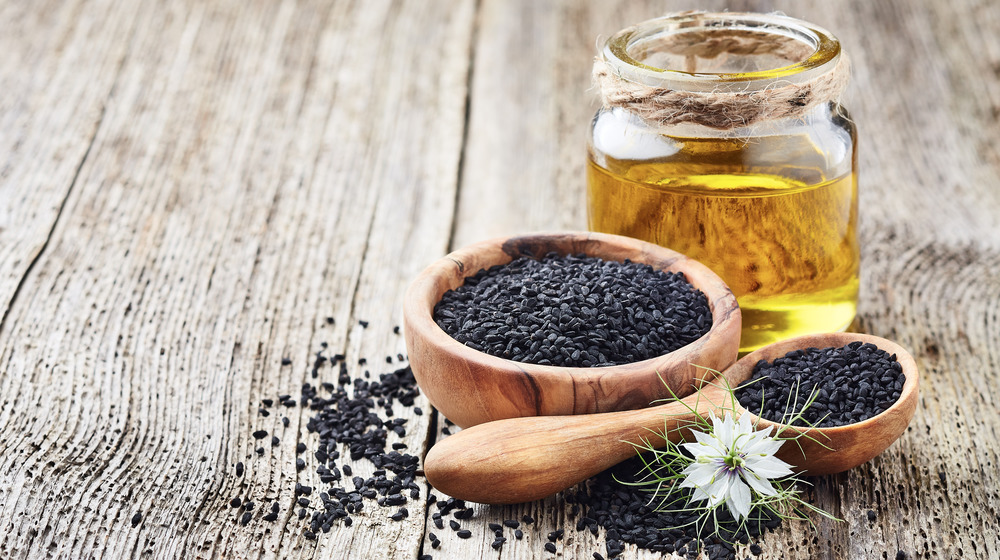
(853, 383)
(574, 311)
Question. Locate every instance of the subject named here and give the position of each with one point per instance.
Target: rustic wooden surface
(188, 189)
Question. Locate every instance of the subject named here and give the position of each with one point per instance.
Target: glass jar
(722, 137)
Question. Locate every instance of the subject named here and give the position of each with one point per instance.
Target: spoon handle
(524, 459)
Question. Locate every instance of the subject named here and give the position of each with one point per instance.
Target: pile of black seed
(574, 311)
(854, 383)
(628, 516)
(345, 413)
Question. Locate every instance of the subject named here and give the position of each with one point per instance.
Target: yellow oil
(784, 238)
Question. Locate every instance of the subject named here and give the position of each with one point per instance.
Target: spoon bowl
(524, 459)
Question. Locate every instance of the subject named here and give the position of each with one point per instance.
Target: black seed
(235, 502)
(578, 311)
(871, 516)
(852, 384)
(239, 468)
(275, 441)
(286, 361)
(136, 519)
(518, 534)
(364, 324)
(464, 534)
(455, 525)
(528, 519)
(512, 523)
(271, 516)
(246, 518)
(550, 547)
(260, 434)
(346, 416)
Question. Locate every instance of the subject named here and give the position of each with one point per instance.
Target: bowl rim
(722, 302)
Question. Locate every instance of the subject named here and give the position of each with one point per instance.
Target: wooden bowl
(470, 387)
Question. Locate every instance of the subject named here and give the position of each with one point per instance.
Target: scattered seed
(235, 502)
(550, 547)
(464, 534)
(344, 416)
(136, 519)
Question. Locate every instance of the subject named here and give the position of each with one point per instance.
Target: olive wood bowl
(525, 459)
(470, 387)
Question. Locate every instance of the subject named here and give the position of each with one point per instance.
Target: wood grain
(250, 178)
(188, 190)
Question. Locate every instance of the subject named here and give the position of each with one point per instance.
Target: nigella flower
(732, 462)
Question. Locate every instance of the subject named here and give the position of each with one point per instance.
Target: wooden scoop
(524, 459)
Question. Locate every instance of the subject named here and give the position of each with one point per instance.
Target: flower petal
(719, 490)
(723, 429)
(768, 467)
(764, 446)
(702, 476)
(739, 500)
(760, 484)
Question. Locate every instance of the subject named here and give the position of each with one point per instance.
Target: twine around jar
(724, 109)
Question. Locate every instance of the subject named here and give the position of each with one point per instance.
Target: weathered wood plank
(49, 114)
(259, 168)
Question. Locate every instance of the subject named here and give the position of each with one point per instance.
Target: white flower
(731, 462)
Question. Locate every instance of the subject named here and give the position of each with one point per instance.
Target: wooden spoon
(524, 459)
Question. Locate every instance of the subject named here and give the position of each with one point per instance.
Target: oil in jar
(782, 236)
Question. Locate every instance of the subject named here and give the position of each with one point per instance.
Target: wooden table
(189, 189)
